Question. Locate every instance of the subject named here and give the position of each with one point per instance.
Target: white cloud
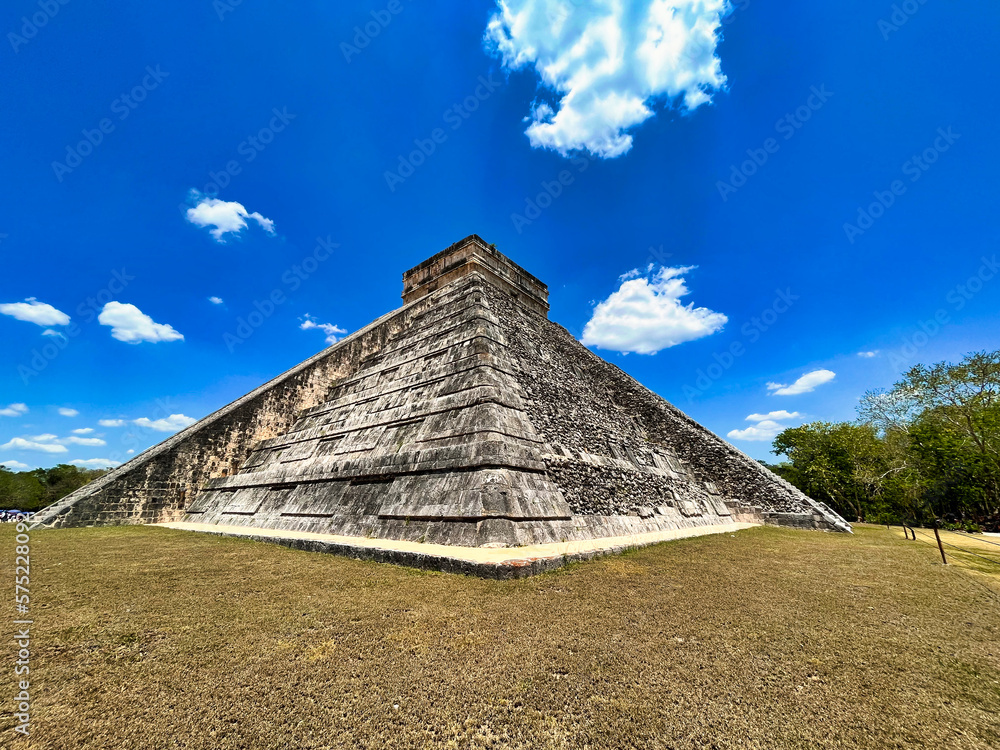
(215, 300)
(66, 412)
(33, 311)
(129, 324)
(645, 314)
(869, 355)
(332, 332)
(111, 422)
(51, 443)
(609, 63)
(15, 465)
(806, 384)
(767, 426)
(83, 441)
(83, 431)
(773, 415)
(20, 444)
(173, 423)
(765, 430)
(54, 333)
(95, 463)
(14, 410)
(226, 217)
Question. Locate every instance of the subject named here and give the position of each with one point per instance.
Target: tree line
(38, 488)
(928, 448)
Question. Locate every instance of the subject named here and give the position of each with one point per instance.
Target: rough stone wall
(473, 255)
(607, 431)
(156, 485)
(425, 441)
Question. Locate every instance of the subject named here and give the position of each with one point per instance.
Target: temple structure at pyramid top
(472, 255)
(465, 418)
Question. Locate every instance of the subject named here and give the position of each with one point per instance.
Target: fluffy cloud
(869, 355)
(49, 443)
(806, 384)
(22, 444)
(111, 422)
(774, 415)
(131, 325)
(83, 431)
(333, 333)
(173, 423)
(215, 300)
(83, 441)
(14, 410)
(95, 463)
(646, 315)
(33, 311)
(767, 426)
(66, 412)
(15, 465)
(608, 62)
(225, 217)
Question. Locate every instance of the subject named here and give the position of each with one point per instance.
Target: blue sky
(737, 190)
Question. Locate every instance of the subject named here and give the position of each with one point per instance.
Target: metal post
(937, 522)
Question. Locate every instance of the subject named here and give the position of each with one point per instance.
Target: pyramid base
(483, 562)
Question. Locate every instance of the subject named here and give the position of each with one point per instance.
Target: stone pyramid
(463, 418)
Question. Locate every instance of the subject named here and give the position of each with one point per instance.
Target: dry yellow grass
(152, 638)
(975, 552)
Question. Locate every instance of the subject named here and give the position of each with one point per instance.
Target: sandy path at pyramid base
(506, 562)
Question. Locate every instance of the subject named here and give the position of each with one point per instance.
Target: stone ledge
(496, 563)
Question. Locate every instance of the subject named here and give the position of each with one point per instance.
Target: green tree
(36, 489)
(842, 464)
(21, 490)
(927, 448)
(944, 421)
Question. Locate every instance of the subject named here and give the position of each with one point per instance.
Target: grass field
(975, 552)
(153, 638)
